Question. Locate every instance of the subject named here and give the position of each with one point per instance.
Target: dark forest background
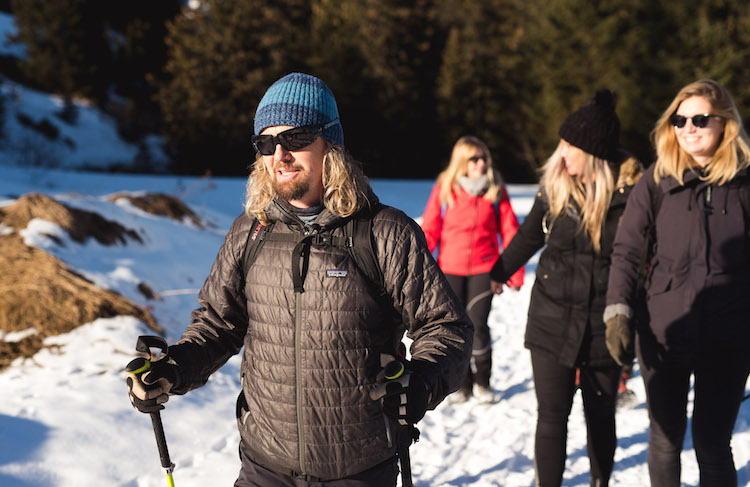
(409, 77)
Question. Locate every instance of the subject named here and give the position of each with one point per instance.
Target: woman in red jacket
(467, 209)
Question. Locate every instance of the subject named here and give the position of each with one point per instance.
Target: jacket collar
(692, 178)
(281, 211)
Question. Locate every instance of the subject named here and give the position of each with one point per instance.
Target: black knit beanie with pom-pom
(594, 128)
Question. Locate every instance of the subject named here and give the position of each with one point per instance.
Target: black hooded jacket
(568, 297)
(699, 280)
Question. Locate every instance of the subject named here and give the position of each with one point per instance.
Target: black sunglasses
(296, 138)
(699, 121)
(476, 158)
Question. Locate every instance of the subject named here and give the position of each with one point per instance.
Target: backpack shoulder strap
(744, 190)
(362, 247)
(253, 244)
(649, 236)
(657, 195)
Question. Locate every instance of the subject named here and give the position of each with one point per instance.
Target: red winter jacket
(467, 232)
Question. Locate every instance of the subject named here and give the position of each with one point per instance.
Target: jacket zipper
(298, 385)
(706, 215)
(471, 236)
(298, 374)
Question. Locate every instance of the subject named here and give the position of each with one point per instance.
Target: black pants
(720, 376)
(476, 296)
(555, 389)
(254, 475)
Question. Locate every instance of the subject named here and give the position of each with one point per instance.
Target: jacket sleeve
(218, 327)
(629, 244)
(528, 239)
(508, 225)
(432, 219)
(434, 318)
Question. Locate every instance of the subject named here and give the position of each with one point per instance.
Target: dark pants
(720, 376)
(476, 296)
(555, 387)
(254, 475)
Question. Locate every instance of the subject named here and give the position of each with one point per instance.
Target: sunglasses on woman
(699, 121)
(296, 138)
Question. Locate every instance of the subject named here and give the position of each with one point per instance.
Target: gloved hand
(496, 287)
(620, 336)
(151, 376)
(405, 394)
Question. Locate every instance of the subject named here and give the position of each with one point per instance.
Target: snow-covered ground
(65, 419)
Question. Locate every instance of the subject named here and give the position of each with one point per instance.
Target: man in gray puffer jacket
(312, 327)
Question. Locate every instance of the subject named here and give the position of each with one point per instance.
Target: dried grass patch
(161, 204)
(39, 291)
(80, 224)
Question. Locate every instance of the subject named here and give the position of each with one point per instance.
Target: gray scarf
(474, 186)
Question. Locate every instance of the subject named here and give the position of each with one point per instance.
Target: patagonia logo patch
(335, 273)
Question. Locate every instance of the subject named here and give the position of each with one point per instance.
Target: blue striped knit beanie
(297, 100)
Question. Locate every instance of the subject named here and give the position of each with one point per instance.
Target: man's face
(296, 176)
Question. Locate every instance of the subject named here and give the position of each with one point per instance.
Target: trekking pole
(137, 367)
(406, 433)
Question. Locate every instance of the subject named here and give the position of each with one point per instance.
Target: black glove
(405, 394)
(151, 378)
(620, 338)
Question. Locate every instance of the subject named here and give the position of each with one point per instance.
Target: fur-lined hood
(628, 172)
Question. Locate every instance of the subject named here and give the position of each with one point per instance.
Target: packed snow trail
(66, 421)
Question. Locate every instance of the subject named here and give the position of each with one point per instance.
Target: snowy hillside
(65, 419)
(35, 134)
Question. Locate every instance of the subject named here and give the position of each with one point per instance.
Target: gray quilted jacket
(310, 358)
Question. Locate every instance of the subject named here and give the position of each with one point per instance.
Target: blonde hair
(345, 187)
(463, 149)
(733, 153)
(591, 191)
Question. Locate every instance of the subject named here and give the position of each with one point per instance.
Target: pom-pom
(605, 98)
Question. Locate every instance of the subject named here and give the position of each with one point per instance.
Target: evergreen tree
(380, 58)
(66, 45)
(338, 58)
(577, 46)
(222, 58)
(707, 40)
(481, 80)
(138, 29)
(402, 49)
(645, 50)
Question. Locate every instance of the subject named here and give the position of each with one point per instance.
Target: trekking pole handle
(139, 366)
(393, 370)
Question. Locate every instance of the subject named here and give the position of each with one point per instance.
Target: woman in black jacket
(582, 195)
(693, 204)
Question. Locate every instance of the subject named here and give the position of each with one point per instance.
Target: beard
(291, 190)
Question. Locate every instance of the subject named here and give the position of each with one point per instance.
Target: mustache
(286, 165)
